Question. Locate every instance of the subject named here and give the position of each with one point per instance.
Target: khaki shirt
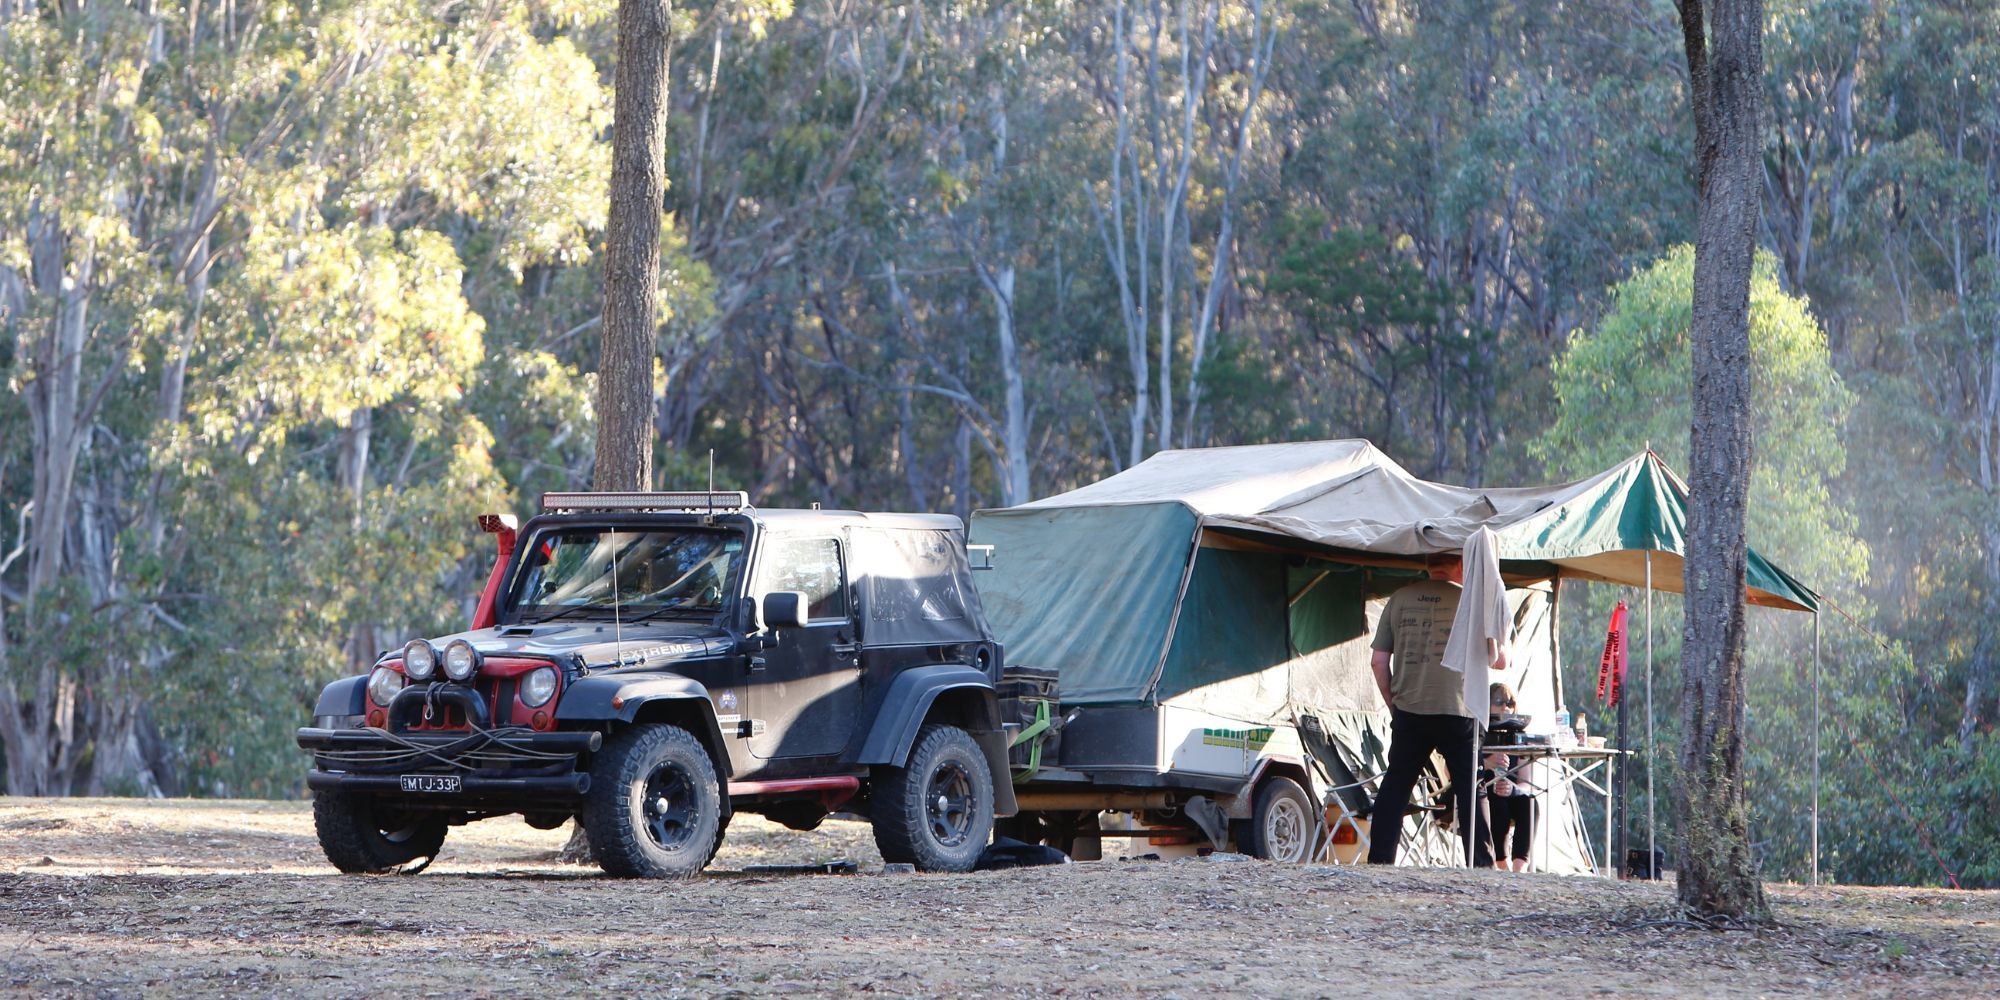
(1414, 628)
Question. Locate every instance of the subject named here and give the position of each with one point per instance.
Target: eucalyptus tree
(1718, 875)
(236, 264)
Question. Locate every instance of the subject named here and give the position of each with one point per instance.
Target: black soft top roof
(908, 571)
(795, 519)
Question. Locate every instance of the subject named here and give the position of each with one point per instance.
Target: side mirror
(784, 609)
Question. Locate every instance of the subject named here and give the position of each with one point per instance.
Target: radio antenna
(711, 482)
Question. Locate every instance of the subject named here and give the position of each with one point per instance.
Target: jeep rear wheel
(655, 807)
(361, 834)
(936, 812)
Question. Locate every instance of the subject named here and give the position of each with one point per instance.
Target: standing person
(1427, 708)
(1511, 801)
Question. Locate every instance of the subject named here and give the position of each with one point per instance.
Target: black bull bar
(487, 761)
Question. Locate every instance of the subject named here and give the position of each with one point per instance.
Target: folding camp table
(1568, 767)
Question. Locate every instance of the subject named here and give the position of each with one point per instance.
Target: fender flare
(612, 698)
(346, 696)
(909, 700)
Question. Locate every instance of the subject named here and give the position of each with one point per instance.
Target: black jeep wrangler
(651, 662)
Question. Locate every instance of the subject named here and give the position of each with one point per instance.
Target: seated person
(1511, 800)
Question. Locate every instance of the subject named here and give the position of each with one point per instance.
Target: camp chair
(1432, 843)
(1351, 788)
(1429, 843)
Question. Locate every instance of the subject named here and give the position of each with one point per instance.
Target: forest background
(291, 291)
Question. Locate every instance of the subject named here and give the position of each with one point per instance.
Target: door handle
(757, 665)
(846, 648)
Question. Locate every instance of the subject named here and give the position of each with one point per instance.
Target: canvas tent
(1244, 581)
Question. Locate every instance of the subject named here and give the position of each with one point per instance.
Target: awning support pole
(1815, 750)
(1621, 803)
(1652, 849)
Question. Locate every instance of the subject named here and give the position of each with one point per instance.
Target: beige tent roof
(1348, 495)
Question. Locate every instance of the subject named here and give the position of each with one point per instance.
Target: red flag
(1611, 666)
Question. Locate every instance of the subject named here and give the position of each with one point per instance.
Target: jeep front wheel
(361, 835)
(654, 809)
(935, 812)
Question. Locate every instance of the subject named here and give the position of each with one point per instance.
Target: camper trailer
(1207, 614)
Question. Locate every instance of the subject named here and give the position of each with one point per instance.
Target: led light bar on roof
(696, 501)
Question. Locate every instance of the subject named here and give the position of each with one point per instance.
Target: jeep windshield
(583, 571)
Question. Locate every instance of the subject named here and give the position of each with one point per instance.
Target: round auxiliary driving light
(461, 661)
(419, 660)
(383, 685)
(538, 687)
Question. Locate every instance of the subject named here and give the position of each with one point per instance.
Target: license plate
(430, 782)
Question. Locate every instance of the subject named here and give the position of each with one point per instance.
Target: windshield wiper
(570, 610)
(665, 609)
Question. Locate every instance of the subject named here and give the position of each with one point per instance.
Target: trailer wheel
(936, 812)
(1282, 825)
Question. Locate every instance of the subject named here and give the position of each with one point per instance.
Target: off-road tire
(1283, 824)
(361, 836)
(654, 809)
(936, 811)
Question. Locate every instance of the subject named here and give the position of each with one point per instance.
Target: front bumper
(494, 766)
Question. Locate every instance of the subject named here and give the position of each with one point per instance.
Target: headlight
(419, 660)
(461, 661)
(383, 685)
(538, 687)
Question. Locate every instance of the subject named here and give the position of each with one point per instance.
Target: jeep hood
(599, 644)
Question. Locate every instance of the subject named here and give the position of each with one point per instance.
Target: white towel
(1479, 630)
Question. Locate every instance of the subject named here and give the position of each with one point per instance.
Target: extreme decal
(692, 647)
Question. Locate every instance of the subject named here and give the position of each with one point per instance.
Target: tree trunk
(1014, 487)
(631, 265)
(632, 248)
(1718, 876)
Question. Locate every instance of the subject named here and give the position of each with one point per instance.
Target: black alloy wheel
(655, 805)
(670, 808)
(936, 811)
(948, 804)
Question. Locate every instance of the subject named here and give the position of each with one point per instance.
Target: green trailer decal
(1250, 739)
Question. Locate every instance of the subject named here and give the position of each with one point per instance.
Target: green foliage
(336, 266)
(1625, 383)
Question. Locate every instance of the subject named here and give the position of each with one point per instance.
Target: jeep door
(808, 692)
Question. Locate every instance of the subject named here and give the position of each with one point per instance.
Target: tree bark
(632, 248)
(1718, 875)
(1014, 486)
(631, 265)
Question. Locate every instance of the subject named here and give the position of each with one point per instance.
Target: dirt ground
(114, 898)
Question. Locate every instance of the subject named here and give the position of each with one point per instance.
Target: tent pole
(1652, 850)
(1471, 818)
(1620, 802)
(1815, 750)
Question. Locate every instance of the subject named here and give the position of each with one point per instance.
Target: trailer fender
(1240, 805)
(683, 702)
(968, 695)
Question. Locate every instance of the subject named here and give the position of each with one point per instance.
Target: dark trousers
(1412, 739)
(1515, 813)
